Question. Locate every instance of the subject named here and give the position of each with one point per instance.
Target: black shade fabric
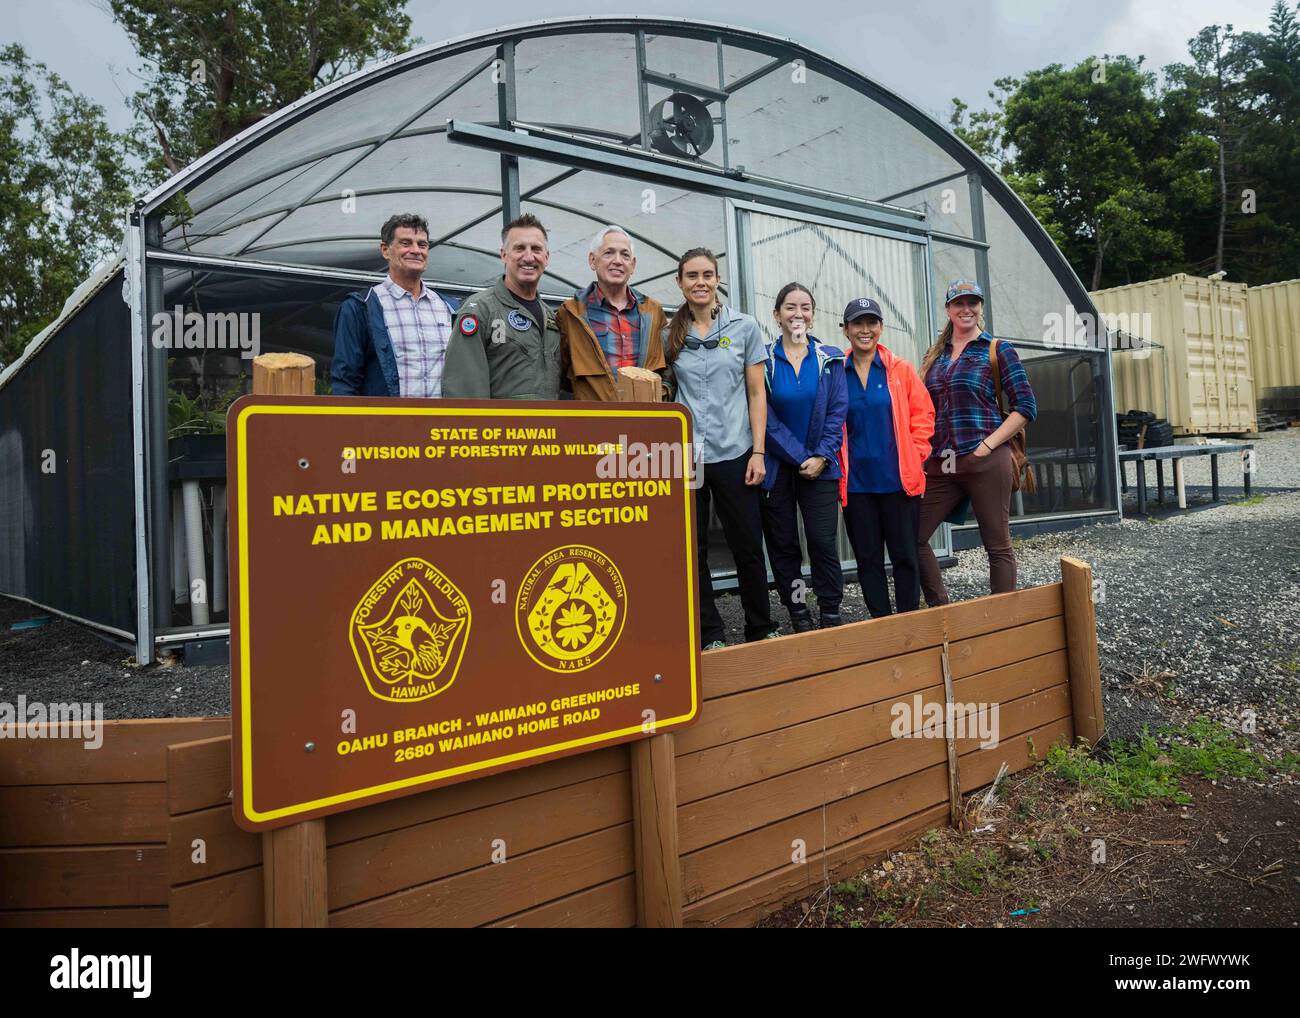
(67, 490)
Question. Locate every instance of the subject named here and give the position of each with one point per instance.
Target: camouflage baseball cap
(963, 288)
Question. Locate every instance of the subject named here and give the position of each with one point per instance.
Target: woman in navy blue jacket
(807, 401)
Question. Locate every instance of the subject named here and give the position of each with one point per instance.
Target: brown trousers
(986, 481)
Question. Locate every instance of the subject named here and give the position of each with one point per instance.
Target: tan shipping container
(1274, 312)
(1201, 380)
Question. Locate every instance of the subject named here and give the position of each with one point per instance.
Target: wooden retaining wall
(790, 778)
(83, 833)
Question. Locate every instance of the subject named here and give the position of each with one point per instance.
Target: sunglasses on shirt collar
(694, 343)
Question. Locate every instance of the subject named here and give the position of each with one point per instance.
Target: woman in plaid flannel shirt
(969, 458)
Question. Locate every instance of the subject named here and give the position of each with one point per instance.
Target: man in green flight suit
(504, 343)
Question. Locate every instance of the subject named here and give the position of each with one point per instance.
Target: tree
(1269, 208)
(985, 133)
(215, 67)
(1086, 137)
(65, 185)
(1216, 77)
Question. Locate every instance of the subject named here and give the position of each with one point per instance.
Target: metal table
(1178, 453)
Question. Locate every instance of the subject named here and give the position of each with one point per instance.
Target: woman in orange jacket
(887, 440)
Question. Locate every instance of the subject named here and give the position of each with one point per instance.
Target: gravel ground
(1200, 616)
(63, 662)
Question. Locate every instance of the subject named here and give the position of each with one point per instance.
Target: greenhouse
(788, 165)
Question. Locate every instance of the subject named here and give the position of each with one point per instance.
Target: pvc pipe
(219, 548)
(194, 548)
(1178, 482)
(180, 586)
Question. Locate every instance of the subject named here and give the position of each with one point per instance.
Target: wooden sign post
(365, 592)
(654, 771)
(293, 858)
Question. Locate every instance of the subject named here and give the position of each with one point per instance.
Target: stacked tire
(1141, 429)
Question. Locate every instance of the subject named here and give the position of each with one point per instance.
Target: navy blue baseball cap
(861, 307)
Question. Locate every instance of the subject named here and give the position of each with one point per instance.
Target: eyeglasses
(692, 343)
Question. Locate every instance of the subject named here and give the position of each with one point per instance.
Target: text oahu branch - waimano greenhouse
(786, 164)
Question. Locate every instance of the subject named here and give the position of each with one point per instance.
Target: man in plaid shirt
(391, 340)
(609, 325)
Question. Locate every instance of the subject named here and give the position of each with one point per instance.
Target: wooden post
(654, 824)
(955, 814)
(293, 875)
(284, 374)
(293, 858)
(1081, 649)
(654, 765)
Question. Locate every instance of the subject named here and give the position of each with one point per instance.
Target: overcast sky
(925, 50)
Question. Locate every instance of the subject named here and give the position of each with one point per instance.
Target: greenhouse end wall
(67, 494)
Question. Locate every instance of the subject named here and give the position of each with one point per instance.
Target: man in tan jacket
(609, 325)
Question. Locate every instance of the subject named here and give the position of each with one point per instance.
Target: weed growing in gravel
(1140, 771)
(1212, 751)
(1135, 774)
(1252, 500)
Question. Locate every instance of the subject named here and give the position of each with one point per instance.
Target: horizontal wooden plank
(765, 663)
(745, 904)
(198, 774)
(495, 891)
(611, 905)
(86, 918)
(131, 751)
(230, 901)
(719, 817)
(1008, 682)
(225, 847)
(715, 770)
(82, 877)
(750, 900)
(717, 867)
(63, 815)
(980, 766)
(380, 865)
(721, 865)
(498, 788)
(730, 718)
(990, 650)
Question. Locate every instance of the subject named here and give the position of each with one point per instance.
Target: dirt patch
(1045, 853)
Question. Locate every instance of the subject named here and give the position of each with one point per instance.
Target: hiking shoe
(830, 620)
(801, 621)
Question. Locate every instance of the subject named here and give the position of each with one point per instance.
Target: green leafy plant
(203, 415)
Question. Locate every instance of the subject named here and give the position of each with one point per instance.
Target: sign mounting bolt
(310, 747)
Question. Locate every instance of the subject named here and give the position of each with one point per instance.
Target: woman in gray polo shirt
(717, 355)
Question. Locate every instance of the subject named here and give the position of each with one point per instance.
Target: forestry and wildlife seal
(571, 608)
(408, 633)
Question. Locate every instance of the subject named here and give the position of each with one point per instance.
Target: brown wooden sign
(425, 592)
